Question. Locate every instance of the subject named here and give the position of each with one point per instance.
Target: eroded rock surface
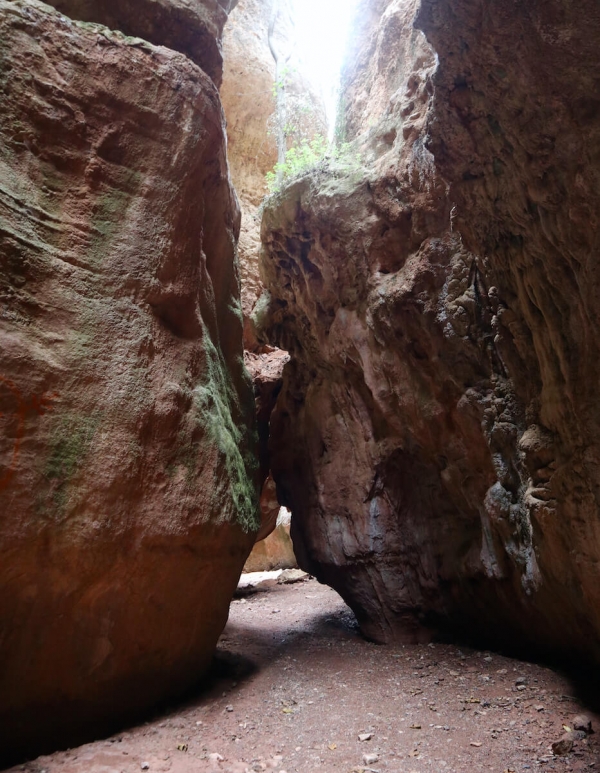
(437, 434)
(128, 480)
(193, 27)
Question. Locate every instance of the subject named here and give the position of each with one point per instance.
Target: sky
(322, 27)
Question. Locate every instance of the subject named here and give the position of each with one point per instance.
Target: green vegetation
(220, 416)
(297, 160)
(312, 155)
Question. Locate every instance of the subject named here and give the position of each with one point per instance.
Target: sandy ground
(296, 688)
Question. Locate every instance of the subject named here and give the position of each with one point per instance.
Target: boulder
(128, 464)
(437, 435)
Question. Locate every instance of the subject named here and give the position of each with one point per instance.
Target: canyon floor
(295, 688)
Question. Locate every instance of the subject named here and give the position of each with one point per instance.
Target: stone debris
(564, 745)
(369, 759)
(290, 576)
(583, 723)
(254, 579)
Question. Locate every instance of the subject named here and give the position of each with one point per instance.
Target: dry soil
(296, 688)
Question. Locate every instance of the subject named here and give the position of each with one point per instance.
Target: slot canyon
(396, 340)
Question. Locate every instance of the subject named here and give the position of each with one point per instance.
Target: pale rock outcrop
(437, 433)
(275, 551)
(128, 469)
(273, 548)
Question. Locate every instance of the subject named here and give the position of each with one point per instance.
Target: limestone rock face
(193, 27)
(128, 485)
(380, 57)
(437, 436)
(249, 103)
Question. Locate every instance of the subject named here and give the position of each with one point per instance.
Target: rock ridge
(192, 27)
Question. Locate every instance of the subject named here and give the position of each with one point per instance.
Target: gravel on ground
(296, 689)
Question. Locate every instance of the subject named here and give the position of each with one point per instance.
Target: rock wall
(128, 467)
(437, 434)
(249, 103)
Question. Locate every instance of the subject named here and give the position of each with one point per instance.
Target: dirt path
(298, 686)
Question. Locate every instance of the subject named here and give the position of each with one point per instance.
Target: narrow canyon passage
(216, 307)
(295, 688)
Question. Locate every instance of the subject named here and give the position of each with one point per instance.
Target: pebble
(145, 766)
(369, 759)
(365, 736)
(563, 746)
(582, 722)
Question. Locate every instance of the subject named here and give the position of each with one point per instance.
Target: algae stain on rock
(70, 442)
(215, 402)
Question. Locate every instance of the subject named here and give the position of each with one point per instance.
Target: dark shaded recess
(53, 737)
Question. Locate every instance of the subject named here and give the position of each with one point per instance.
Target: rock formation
(249, 103)
(273, 548)
(437, 436)
(128, 472)
(193, 27)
